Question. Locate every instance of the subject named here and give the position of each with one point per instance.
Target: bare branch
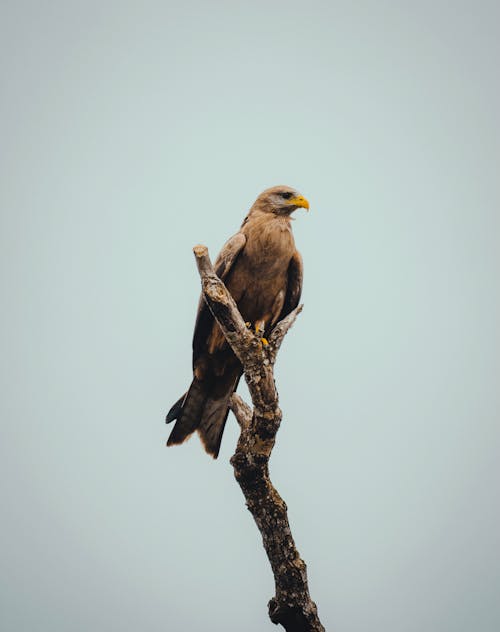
(224, 309)
(241, 410)
(281, 329)
(292, 605)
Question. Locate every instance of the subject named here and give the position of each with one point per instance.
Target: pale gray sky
(131, 131)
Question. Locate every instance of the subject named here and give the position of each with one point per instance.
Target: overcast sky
(131, 131)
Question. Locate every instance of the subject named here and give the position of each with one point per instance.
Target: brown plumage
(262, 270)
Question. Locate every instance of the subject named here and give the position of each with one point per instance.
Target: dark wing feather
(222, 266)
(294, 285)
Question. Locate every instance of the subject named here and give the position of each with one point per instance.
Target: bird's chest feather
(269, 247)
(259, 278)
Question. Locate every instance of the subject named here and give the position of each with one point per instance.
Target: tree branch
(241, 410)
(292, 606)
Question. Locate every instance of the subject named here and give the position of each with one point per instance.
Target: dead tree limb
(291, 606)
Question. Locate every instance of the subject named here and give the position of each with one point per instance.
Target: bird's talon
(248, 325)
(265, 342)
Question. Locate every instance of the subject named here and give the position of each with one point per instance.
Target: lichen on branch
(291, 606)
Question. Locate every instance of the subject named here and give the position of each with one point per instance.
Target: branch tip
(200, 250)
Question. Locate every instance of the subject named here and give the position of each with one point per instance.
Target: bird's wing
(223, 265)
(294, 285)
(228, 254)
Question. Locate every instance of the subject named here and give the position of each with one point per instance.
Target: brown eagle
(262, 270)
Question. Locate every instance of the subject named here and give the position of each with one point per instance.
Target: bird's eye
(286, 195)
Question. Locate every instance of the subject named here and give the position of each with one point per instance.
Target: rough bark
(292, 606)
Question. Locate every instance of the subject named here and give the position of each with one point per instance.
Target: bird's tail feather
(188, 412)
(215, 413)
(204, 409)
(174, 412)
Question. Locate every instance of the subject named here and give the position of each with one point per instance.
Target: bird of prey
(262, 269)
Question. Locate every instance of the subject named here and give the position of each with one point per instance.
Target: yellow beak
(299, 201)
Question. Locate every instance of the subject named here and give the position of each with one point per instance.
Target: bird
(263, 271)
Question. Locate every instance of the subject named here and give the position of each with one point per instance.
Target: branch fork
(292, 606)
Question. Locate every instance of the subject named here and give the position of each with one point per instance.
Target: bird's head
(280, 200)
